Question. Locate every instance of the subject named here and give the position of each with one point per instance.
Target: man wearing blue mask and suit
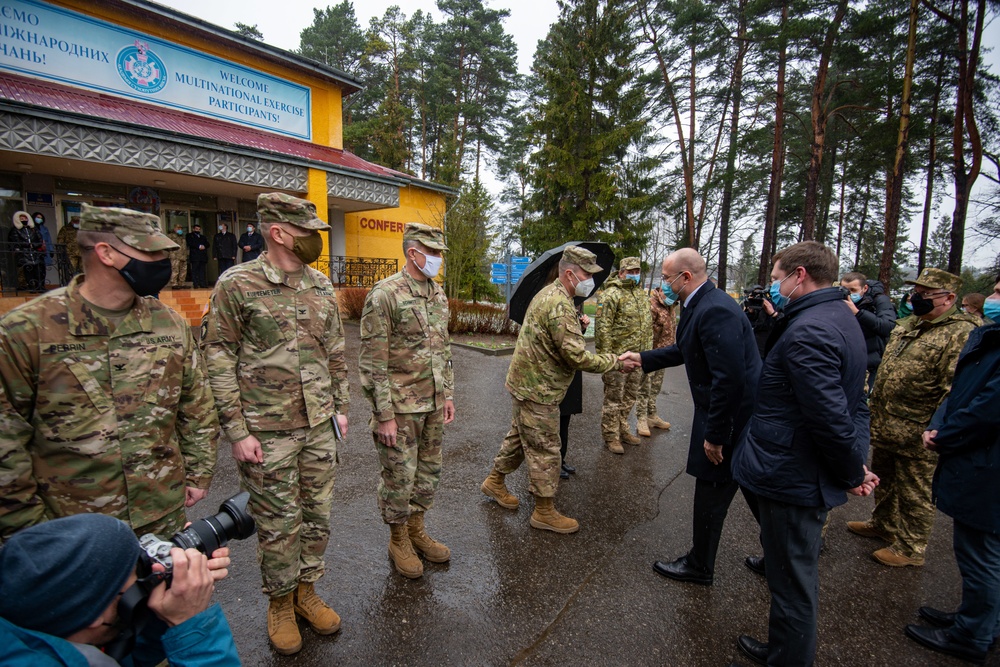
(716, 345)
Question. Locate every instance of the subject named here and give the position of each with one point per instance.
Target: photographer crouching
(75, 591)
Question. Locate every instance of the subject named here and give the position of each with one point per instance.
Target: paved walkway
(516, 595)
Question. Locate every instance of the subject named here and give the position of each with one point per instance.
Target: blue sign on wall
(49, 42)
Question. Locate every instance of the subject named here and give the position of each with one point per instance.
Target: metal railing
(27, 271)
(356, 271)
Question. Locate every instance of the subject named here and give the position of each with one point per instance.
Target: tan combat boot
(656, 422)
(868, 529)
(642, 427)
(402, 554)
(282, 629)
(495, 488)
(614, 446)
(889, 556)
(545, 517)
(629, 439)
(432, 550)
(317, 613)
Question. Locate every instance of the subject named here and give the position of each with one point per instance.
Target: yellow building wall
(379, 233)
(326, 99)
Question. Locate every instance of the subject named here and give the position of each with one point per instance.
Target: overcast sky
(281, 21)
(529, 21)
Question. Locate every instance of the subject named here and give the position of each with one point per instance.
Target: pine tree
(591, 163)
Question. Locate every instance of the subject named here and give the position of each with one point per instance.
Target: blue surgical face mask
(670, 297)
(991, 309)
(634, 277)
(777, 298)
(856, 297)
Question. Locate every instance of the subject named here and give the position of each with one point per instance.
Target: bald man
(716, 345)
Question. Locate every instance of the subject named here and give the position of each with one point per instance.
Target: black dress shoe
(563, 474)
(568, 469)
(936, 617)
(755, 564)
(753, 649)
(939, 639)
(681, 570)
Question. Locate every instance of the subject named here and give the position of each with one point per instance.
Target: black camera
(233, 522)
(754, 297)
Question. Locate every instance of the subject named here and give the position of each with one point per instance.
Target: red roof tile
(107, 107)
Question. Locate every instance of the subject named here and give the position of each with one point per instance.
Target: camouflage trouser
(178, 270)
(620, 391)
(533, 435)
(291, 496)
(412, 469)
(903, 505)
(649, 389)
(165, 526)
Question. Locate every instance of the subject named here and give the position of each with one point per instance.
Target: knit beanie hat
(58, 576)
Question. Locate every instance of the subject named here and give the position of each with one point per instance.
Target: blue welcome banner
(49, 42)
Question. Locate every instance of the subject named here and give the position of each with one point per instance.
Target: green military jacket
(914, 377)
(95, 420)
(274, 348)
(624, 322)
(405, 360)
(550, 349)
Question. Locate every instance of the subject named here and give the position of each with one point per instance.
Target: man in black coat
(965, 431)
(806, 444)
(716, 345)
(224, 248)
(874, 312)
(251, 243)
(197, 256)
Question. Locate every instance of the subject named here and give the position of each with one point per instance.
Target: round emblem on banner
(142, 69)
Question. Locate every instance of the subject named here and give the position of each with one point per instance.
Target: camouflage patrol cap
(630, 264)
(133, 228)
(583, 258)
(279, 207)
(431, 237)
(937, 279)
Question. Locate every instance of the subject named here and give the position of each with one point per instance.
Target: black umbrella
(542, 271)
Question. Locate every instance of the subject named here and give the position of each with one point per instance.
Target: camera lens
(233, 522)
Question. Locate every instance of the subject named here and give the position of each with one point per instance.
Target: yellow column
(316, 193)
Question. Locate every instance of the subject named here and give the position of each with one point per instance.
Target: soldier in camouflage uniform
(549, 350)
(624, 324)
(104, 404)
(179, 259)
(915, 376)
(663, 336)
(69, 248)
(274, 346)
(406, 374)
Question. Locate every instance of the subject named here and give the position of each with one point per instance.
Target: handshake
(630, 361)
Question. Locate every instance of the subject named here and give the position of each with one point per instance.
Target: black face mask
(920, 305)
(145, 278)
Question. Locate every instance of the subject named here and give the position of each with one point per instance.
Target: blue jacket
(968, 424)
(715, 342)
(807, 441)
(204, 640)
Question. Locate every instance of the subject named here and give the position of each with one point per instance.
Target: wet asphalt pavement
(516, 595)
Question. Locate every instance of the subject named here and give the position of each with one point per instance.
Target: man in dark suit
(716, 345)
(197, 256)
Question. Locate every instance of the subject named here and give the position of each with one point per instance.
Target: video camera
(233, 522)
(753, 297)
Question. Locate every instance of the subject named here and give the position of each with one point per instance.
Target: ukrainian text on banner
(49, 42)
